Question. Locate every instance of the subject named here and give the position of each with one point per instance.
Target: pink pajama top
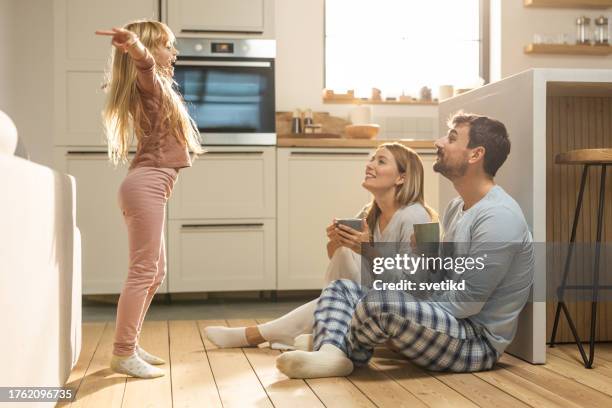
(157, 147)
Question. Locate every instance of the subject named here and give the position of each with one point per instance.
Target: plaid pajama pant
(356, 320)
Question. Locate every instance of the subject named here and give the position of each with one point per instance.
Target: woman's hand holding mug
(351, 238)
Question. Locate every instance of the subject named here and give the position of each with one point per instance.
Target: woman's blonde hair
(411, 191)
(124, 115)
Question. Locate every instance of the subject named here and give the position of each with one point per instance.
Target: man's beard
(450, 172)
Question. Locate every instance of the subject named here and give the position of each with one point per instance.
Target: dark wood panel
(575, 122)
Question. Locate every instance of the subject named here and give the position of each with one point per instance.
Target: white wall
(33, 61)
(7, 41)
(299, 65)
(519, 24)
(26, 72)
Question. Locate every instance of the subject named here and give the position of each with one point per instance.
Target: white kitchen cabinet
(81, 57)
(103, 231)
(229, 18)
(221, 255)
(83, 17)
(314, 186)
(227, 182)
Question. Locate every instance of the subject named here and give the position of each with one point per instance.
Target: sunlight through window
(400, 46)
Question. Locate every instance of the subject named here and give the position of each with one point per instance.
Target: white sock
(303, 342)
(329, 361)
(287, 327)
(134, 366)
(223, 336)
(148, 357)
(281, 346)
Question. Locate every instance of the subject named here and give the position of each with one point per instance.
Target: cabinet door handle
(257, 64)
(91, 153)
(257, 152)
(330, 153)
(204, 226)
(196, 31)
(85, 153)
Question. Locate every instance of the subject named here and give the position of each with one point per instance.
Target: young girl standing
(143, 102)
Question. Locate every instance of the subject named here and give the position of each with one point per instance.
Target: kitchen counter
(342, 142)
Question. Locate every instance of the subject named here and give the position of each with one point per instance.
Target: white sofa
(40, 275)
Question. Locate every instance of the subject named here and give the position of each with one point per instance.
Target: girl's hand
(122, 38)
(353, 239)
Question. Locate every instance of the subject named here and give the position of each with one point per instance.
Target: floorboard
(425, 386)
(236, 381)
(282, 391)
(193, 382)
(92, 333)
(564, 387)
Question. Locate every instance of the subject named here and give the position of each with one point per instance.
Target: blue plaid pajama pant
(356, 320)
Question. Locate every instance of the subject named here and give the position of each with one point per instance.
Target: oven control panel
(198, 47)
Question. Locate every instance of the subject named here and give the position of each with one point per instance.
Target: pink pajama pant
(142, 199)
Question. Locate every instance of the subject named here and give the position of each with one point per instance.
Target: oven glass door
(228, 96)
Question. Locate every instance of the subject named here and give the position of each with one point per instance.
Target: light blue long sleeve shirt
(494, 228)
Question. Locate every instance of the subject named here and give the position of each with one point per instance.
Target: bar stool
(586, 157)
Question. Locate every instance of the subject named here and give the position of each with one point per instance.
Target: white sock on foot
(287, 327)
(303, 342)
(134, 366)
(281, 346)
(329, 361)
(148, 357)
(227, 336)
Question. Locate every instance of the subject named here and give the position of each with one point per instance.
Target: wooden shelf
(567, 49)
(357, 101)
(595, 4)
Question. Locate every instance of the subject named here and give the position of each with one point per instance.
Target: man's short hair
(488, 133)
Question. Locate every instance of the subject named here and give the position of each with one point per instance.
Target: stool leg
(568, 260)
(600, 219)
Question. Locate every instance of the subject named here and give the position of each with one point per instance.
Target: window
(399, 46)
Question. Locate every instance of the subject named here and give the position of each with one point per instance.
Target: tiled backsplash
(401, 127)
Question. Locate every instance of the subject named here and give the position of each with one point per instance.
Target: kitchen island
(546, 112)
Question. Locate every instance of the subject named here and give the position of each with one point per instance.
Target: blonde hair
(411, 191)
(124, 115)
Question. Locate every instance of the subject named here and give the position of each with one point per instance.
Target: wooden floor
(200, 375)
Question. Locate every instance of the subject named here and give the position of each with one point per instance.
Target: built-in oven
(228, 86)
